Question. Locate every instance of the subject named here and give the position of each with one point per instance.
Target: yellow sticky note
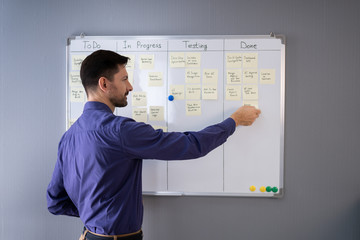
(139, 99)
(267, 76)
(250, 76)
(177, 91)
(193, 92)
(155, 79)
(177, 59)
(210, 92)
(233, 60)
(192, 75)
(193, 108)
(77, 94)
(210, 76)
(139, 114)
(233, 92)
(156, 113)
(193, 59)
(250, 92)
(131, 62)
(253, 103)
(233, 76)
(76, 61)
(250, 60)
(74, 79)
(147, 61)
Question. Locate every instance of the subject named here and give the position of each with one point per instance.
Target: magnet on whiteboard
(171, 98)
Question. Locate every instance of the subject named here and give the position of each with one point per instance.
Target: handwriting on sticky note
(250, 60)
(250, 92)
(76, 61)
(155, 79)
(209, 92)
(193, 108)
(74, 79)
(192, 75)
(267, 76)
(233, 92)
(250, 76)
(77, 94)
(233, 60)
(193, 60)
(193, 92)
(177, 59)
(147, 61)
(139, 114)
(156, 113)
(177, 91)
(210, 76)
(139, 99)
(233, 76)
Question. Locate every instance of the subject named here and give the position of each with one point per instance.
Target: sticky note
(147, 61)
(177, 59)
(253, 103)
(250, 60)
(233, 76)
(76, 61)
(155, 79)
(250, 76)
(193, 108)
(192, 75)
(209, 92)
(193, 92)
(74, 79)
(210, 76)
(139, 114)
(177, 91)
(156, 113)
(131, 62)
(233, 60)
(193, 60)
(233, 92)
(267, 76)
(250, 92)
(139, 99)
(77, 94)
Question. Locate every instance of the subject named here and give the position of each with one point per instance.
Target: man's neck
(96, 98)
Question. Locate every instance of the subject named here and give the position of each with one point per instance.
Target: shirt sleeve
(140, 140)
(58, 201)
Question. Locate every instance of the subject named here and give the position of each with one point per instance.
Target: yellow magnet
(252, 188)
(262, 189)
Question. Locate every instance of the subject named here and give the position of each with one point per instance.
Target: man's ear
(103, 84)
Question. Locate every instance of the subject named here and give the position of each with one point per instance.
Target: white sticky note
(192, 75)
(233, 60)
(155, 79)
(177, 91)
(131, 62)
(210, 76)
(250, 92)
(147, 61)
(233, 76)
(253, 103)
(250, 76)
(156, 113)
(76, 61)
(177, 59)
(250, 60)
(77, 94)
(139, 99)
(139, 114)
(74, 79)
(267, 76)
(193, 92)
(193, 108)
(193, 59)
(209, 92)
(233, 92)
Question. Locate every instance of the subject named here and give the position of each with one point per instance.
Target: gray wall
(322, 147)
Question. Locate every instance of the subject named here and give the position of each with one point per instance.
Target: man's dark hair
(102, 63)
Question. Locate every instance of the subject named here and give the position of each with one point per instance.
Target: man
(97, 175)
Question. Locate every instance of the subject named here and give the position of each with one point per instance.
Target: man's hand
(245, 115)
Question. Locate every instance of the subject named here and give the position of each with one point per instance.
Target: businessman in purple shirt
(97, 175)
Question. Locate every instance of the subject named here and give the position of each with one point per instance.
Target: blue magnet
(171, 98)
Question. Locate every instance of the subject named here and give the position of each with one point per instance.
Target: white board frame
(280, 193)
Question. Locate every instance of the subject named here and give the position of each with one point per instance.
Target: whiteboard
(209, 77)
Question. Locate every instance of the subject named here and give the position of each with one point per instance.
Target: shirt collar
(97, 106)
